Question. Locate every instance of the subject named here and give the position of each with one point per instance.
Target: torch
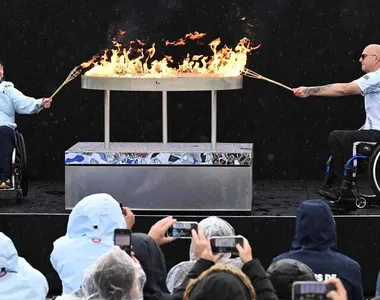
(249, 73)
(72, 75)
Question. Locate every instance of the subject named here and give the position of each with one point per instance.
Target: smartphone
(226, 244)
(310, 290)
(122, 238)
(182, 230)
(122, 209)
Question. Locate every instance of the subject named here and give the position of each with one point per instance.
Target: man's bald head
(370, 58)
(373, 49)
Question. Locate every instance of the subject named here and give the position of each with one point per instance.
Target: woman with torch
(12, 101)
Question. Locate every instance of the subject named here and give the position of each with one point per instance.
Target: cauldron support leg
(106, 119)
(213, 119)
(165, 117)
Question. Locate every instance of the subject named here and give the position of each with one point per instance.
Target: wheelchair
(19, 169)
(367, 153)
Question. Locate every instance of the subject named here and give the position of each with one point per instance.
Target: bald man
(342, 143)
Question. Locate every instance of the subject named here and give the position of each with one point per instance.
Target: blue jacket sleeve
(23, 104)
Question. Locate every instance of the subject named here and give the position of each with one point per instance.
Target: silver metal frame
(165, 84)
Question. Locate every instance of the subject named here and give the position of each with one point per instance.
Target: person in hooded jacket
(211, 226)
(90, 233)
(152, 260)
(18, 279)
(314, 244)
(12, 101)
(211, 281)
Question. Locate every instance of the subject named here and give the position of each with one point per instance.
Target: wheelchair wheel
(361, 202)
(20, 168)
(374, 171)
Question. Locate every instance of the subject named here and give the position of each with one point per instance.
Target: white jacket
(12, 101)
(18, 279)
(89, 236)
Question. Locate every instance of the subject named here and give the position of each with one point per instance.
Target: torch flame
(88, 63)
(136, 61)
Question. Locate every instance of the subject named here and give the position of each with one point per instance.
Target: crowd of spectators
(90, 266)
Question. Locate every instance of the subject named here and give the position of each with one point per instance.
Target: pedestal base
(162, 177)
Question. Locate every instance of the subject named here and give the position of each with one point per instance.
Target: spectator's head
(214, 226)
(114, 276)
(284, 272)
(8, 255)
(220, 282)
(153, 263)
(95, 216)
(18, 279)
(315, 226)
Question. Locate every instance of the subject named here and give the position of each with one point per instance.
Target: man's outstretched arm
(330, 90)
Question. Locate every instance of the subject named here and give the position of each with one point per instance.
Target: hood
(214, 226)
(5, 84)
(153, 263)
(221, 286)
(95, 216)
(8, 254)
(315, 227)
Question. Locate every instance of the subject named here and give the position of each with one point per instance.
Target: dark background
(302, 43)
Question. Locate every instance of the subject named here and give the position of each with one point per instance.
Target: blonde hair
(220, 268)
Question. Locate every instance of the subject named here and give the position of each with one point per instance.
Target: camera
(310, 290)
(226, 244)
(122, 238)
(182, 230)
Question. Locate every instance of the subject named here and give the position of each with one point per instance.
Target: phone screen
(310, 290)
(225, 244)
(122, 238)
(182, 229)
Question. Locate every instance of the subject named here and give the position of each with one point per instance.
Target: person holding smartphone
(339, 293)
(210, 285)
(90, 234)
(212, 226)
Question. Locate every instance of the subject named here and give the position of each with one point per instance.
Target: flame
(88, 63)
(195, 36)
(179, 42)
(121, 32)
(135, 61)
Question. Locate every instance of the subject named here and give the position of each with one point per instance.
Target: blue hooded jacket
(12, 101)
(314, 244)
(18, 279)
(90, 232)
